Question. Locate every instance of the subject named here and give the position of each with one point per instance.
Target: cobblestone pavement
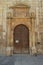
(21, 59)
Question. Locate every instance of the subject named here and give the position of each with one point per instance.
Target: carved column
(33, 33)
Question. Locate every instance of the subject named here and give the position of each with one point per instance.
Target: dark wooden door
(21, 39)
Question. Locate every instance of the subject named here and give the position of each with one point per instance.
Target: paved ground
(21, 59)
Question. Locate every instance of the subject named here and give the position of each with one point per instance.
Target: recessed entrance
(21, 39)
(20, 29)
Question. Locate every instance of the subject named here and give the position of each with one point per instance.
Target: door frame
(27, 21)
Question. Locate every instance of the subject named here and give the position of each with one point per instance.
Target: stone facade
(36, 23)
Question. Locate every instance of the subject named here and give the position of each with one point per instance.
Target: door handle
(17, 41)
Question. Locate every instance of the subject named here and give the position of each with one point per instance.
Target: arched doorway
(21, 39)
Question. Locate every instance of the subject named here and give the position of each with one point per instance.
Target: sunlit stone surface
(36, 6)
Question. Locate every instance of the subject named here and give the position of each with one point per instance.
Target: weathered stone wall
(35, 6)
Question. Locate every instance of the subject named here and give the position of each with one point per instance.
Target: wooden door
(21, 39)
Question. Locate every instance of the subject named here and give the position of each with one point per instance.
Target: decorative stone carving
(21, 16)
(18, 12)
(33, 15)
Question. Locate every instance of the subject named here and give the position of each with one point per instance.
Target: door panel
(21, 39)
